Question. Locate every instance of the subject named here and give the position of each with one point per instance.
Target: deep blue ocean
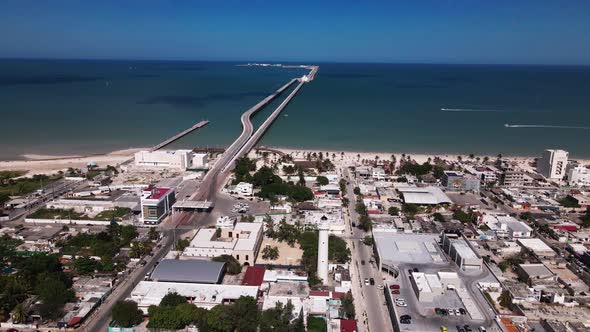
(83, 107)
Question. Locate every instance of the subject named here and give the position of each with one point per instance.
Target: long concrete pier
(179, 135)
(262, 129)
(208, 187)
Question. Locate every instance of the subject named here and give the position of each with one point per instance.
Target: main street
(371, 308)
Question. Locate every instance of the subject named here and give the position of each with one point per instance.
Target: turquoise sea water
(65, 107)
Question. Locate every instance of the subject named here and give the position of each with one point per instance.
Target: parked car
(462, 311)
(395, 292)
(460, 329)
(380, 287)
(366, 282)
(393, 286)
(405, 321)
(363, 262)
(443, 329)
(405, 317)
(372, 281)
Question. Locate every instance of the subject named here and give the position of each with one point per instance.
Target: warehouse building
(191, 271)
(175, 159)
(460, 252)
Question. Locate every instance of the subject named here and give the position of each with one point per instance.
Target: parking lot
(420, 253)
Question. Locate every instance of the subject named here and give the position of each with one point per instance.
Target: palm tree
(358, 157)
(19, 315)
(486, 159)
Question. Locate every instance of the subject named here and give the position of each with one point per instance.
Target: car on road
(467, 328)
(372, 281)
(405, 321)
(405, 317)
(460, 329)
(366, 281)
(401, 303)
(482, 329)
(443, 329)
(363, 262)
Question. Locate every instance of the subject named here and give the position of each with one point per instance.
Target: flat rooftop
(190, 270)
(423, 195)
(396, 248)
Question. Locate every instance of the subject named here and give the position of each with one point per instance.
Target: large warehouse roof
(191, 270)
(424, 195)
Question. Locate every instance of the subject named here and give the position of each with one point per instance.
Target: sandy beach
(47, 164)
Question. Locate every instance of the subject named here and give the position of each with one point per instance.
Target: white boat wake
(545, 126)
(468, 110)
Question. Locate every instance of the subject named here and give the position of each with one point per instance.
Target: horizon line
(302, 62)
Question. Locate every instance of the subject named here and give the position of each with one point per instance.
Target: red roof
(157, 193)
(75, 320)
(337, 295)
(348, 325)
(319, 293)
(373, 212)
(254, 276)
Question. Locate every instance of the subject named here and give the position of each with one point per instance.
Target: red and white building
(156, 204)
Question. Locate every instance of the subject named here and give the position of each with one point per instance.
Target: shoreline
(47, 164)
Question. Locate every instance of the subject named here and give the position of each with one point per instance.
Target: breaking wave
(545, 126)
(468, 110)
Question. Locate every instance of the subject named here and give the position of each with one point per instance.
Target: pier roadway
(208, 187)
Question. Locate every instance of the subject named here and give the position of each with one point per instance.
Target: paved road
(372, 302)
(100, 320)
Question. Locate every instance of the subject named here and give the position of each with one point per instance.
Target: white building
(426, 286)
(148, 293)
(578, 176)
(239, 239)
(379, 173)
(553, 163)
(332, 217)
(505, 226)
(244, 188)
(175, 159)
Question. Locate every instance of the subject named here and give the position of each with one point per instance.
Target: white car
(366, 281)
(379, 286)
(451, 312)
(401, 303)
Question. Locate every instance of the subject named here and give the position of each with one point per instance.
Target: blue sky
(441, 31)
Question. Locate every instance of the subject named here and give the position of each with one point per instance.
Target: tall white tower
(323, 251)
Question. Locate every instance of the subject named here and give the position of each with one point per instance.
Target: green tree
(322, 180)
(54, 294)
(338, 251)
(182, 244)
(505, 299)
(232, 266)
(365, 223)
(368, 240)
(126, 314)
(19, 315)
(410, 209)
(393, 211)
(270, 253)
(356, 190)
(153, 234)
(438, 217)
(348, 306)
(172, 300)
(86, 265)
(463, 216)
(220, 319)
(245, 315)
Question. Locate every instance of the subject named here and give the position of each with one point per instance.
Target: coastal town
(298, 240)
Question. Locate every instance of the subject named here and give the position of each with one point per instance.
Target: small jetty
(179, 135)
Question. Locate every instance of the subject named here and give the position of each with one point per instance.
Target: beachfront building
(457, 181)
(174, 159)
(241, 240)
(511, 176)
(553, 163)
(578, 176)
(156, 204)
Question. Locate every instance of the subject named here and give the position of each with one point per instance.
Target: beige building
(239, 239)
